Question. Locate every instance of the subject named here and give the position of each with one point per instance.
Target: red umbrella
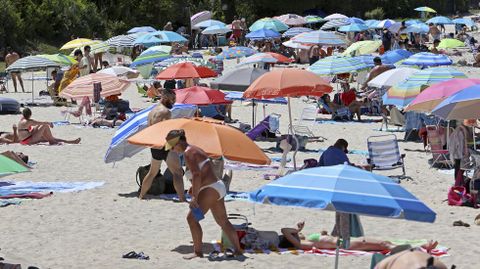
(280, 58)
(186, 70)
(201, 96)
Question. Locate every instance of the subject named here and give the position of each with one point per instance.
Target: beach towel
(22, 187)
(61, 123)
(231, 196)
(32, 195)
(4, 203)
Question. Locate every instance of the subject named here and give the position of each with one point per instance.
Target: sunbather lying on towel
(31, 132)
(410, 258)
(9, 138)
(325, 241)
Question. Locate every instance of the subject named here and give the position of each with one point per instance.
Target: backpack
(158, 183)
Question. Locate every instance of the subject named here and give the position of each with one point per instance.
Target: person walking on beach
(208, 192)
(158, 114)
(11, 57)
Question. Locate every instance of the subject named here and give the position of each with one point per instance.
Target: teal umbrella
(334, 65)
(269, 23)
(354, 27)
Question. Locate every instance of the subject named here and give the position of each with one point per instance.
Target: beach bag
(158, 183)
(458, 196)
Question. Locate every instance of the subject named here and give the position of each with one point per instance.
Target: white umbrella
(335, 16)
(120, 71)
(294, 45)
(391, 77)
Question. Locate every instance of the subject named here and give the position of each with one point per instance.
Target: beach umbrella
(259, 58)
(296, 31)
(366, 59)
(435, 75)
(238, 96)
(334, 65)
(465, 21)
(450, 43)
(185, 70)
(391, 77)
(320, 38)
(292, 19)
(362, 47)
(385, 23)
(294, 45)
(402, 94)
(216, 30)
(310, 19)
(121, 41)
(262, 34)
(424, 59)
(419, 28)
(147, 40)
(79, 42)
(460, 105)
(268, 23)
(150, 58)
(120, 71)
(432, 96)
(236, 52)
(439, 20)
(119, 147)
(413, 21)
(333, 24)
(335, 16)
(355, 20)
(200, 16)
(97, 47)
(59, 58)
(214, 138)
(394, 56)
(371, 23)
(141, 29)
(9, 166)
(237, 79)
(169, 36)
(175, 60)
(159, 48)
(208, 23)
(280, 58)
(354, 27)
(200, 96)
(395, 28)
(83, 86)
(425, 9)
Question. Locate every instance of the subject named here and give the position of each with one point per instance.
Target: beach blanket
(31, 195)
(4, 203)
(25, 187)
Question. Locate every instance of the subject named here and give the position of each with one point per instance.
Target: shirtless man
(377, 70)
(236, 28)
(433, 31)
(11, 57)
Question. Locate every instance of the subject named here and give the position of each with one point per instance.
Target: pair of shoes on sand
(460, 223)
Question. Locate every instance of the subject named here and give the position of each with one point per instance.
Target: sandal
(130, 255)
(214, 256)
(460, 223)
(229, 253)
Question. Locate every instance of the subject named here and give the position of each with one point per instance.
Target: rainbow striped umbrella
(319, 37)
(236, 52)
(337, 65)
(425, 59)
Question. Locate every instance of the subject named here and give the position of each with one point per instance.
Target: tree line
(24, 24)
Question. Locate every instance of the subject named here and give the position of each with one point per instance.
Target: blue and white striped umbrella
(31, 63)
(355, 20)
(419, 28)
(440, 20)
(334, 65)
(385, 23)
(332, 24)
(393, 56)
(319, 37)
(141, 29)
(119, 147)
(347, 189)
(424, 59)
(216, 30)
(466, 21)
(122, 41)
(296, 31)
(366, 59)
(354, 27)
(262, 34)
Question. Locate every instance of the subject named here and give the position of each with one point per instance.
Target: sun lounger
(384, 153)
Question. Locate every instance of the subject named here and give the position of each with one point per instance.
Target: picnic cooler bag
(240, 224)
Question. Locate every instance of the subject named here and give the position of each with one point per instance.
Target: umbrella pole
(32, 90)
(290, 126)
(337, 252)
(253, 113)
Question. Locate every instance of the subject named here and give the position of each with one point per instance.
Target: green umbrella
(450, 43)
(9, 166)
(59, 58)
(362, 47)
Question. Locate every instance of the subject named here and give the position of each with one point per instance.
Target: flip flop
(130, 255)
(214, 256)
(460, 223)
(229, 253)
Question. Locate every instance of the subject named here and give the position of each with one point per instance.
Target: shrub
(377, 14)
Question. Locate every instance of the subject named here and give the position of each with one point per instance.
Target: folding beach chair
(309, 113)
(439, 155)
(384, 153)
(271, 124)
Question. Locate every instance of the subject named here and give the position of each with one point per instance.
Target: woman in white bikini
(208, 192)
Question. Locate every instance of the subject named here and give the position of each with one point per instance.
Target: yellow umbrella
(450, 43)
(97, 46)
(362, 47)
(79, 42)
(59, 58)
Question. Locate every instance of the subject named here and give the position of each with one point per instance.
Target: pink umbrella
(292, 19)
(83, 86)
(429, 98)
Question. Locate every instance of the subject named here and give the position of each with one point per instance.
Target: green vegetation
(27, 24)
(2, 66)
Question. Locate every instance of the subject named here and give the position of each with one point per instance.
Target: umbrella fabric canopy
(268, 23)
(287, 82)
(121, 41)
(346, 189)
(354, 27)
(392, 77)
(292, 19)
(435, 75)
(372, 23)
(119, 147)
(466, 21)
(200, 16)
(450, 43)
(259, 58)
(176, 60)
(119, 71)
(147, 40)
(186, 70)
(208, 23)
(419, 28)
(200, 96)
(294, 45)
(402, 94)
(215, 139)
(333, 65)
(313, 19)
(461, 105)
(79, 42)
(395, 28)
(412, 21)
(149, 58)
(262, 34)
(425, 9)
(9, 166)
(439, 20)
(393, 56)
(31, 63)
(428, 59)
(280, 58)
(141, 29)
(159, 48)
(355, 20)
(335, 16)
(366, 59)
(169, 36)
(83, 86)
(296, 31)
(332, 24)
(59, 58)
(432, 96)
(362, 47)
(216, 30)
(319, 37)
(385, 23)
(237, 79)
(236, 52)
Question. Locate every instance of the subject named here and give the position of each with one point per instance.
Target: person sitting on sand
(208, 192)
(9, 138)
(295, 238)
(31, 132)
(354, 106)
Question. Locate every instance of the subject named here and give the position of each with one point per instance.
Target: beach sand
(94, 228)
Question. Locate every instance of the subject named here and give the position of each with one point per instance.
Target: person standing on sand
(158, 114)
(87, 49)
(208, 193)
(236, 29)
(11, 57)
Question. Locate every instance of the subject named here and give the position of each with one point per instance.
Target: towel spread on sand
(8, 202)
(61, 123)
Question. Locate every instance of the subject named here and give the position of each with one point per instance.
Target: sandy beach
(94, 228)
